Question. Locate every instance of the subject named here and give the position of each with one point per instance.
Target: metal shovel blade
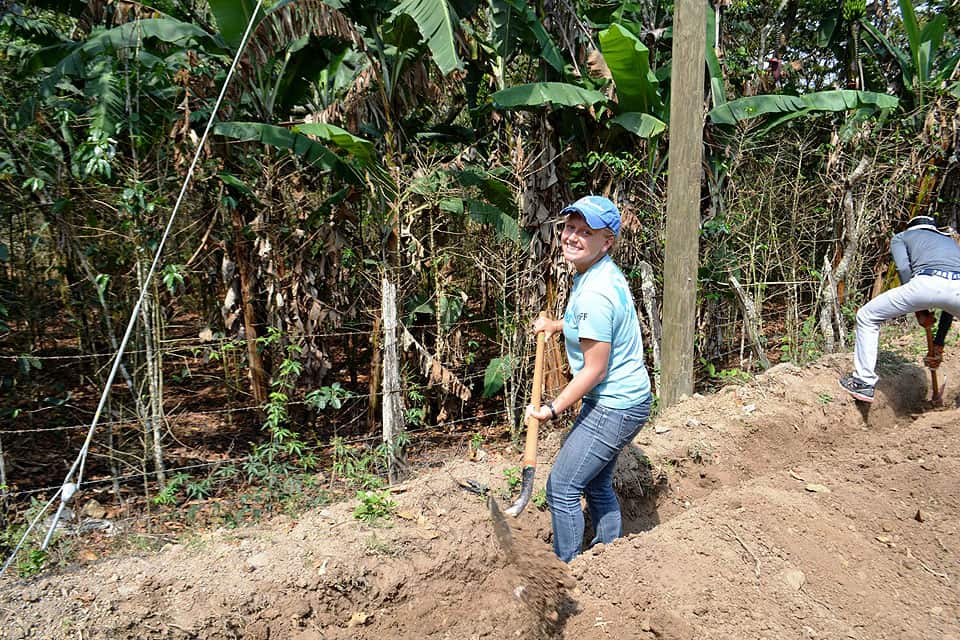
(526, 492)
(937, 396)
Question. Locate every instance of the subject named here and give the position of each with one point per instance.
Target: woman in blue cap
(605, 350)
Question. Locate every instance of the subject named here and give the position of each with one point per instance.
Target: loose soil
(777, 509)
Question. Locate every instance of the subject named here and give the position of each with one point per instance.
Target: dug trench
(776, 509)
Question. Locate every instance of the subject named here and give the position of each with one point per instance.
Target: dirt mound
(776, 509)
(542, 580)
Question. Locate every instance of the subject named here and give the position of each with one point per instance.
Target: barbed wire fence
(723, 340)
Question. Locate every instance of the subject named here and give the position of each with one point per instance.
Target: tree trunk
(373, 404)
(831, 320)
(392, 395)
(152, 418)
(259, 380)
(649, 290)
(3, 481)
(751, 322)
(681, 261)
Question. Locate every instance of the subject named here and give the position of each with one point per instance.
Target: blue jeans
(585, 466)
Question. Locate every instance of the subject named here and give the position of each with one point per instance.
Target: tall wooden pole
(681, 260)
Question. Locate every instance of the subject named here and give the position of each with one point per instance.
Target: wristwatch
(553, 412)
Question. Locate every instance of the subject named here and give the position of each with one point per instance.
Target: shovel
(530, 447)
(937, 396)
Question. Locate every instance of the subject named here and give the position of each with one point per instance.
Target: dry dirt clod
(93, 509)
(795, 579)
(358, 618)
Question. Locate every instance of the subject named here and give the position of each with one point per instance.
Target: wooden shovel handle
(533, 425)
(935, 388)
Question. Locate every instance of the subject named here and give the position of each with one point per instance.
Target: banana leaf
(132, 35)
(437, 23)
(718, 92)
(751, 107)
(515, 23)
(643, 125)
(360, 148)
(506, 227)
(629, 62)
(537, 94)
(232, 18)
(314, 153)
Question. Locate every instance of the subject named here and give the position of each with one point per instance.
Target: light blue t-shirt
(601, 308)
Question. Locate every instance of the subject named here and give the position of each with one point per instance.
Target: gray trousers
(922, 292)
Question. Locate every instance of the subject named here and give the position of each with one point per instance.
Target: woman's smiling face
(583, 245)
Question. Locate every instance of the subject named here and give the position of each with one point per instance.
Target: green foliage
(642, 125)
(724, 376)
(538, 94)
(183, 483)
(620, 165)
(415, 415)
(476, 441)
(539, 499)
(172, 277)
(358, 147)
(328, 396)
(628, 59)
(919, 65)
(232, 18)
(517, 30)
(317, 155)
(374, 506)
(33, 564)
(438, 25)
(512, 476)
(358, 465)
(277, 464)
(31, 559)
(496, 374)
(806, 347)
(789, 107)
(504, 224)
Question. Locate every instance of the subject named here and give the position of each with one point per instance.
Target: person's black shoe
(857, 388)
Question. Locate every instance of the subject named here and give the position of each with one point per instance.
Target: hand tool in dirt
(937, 396)
(474, 487)
(530, 447)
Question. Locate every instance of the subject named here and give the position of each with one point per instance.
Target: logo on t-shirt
(581, 317)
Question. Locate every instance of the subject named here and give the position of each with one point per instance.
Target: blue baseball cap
(599, 212)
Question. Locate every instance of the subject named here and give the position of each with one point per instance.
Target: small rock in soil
(795, 579)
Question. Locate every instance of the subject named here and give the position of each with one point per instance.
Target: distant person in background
(928, 263)
(604, 347)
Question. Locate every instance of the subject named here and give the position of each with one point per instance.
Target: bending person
(605, 350)
(928, 263)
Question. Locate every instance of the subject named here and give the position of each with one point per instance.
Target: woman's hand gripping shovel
(529, 456)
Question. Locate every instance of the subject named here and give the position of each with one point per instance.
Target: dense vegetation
(420, 149)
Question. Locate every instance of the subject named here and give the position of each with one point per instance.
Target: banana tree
(927, 63)
(926, 66)
(635, 105)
